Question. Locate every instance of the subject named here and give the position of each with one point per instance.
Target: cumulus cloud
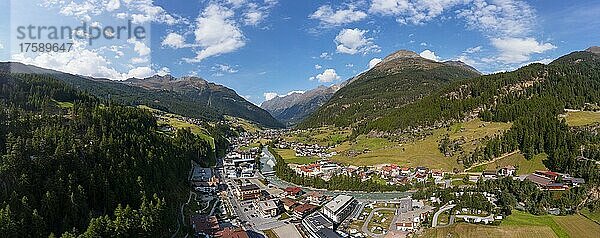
(374, 62)
(518, 50)
(499, 17)
(216, 33)
(318, 66)
(352, 41)
(428, 54)
(328, 17)
(328, 76)
(138, 11)
(416, 12)
(83, 61)
(174, 40)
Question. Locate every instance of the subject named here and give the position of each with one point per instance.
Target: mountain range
(294, 107)
(187, 96)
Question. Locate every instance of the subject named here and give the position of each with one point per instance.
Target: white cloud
(1, 46)
(224, 68)
(318, 66)
(416, 12)
(423, 44)
(163, 71)
(352, 41)
(217, 33)
(374, 62)
(112, 5)
(140, 72)
(500, 17)
(139, 11)
(329, 75)
(254, 13)
(325, 55)
(174, 40)
(473, 50)
(389, 7)
(269, 95)
(349, 65)
(329, 17)
(493, 17)
(518, 50)
(83, 61)
(140, 47)
(428, 54)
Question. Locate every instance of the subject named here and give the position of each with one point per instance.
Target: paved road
(437, 214)
(365, 227)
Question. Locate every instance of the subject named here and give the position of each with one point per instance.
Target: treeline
(337, 182)
(96, 169)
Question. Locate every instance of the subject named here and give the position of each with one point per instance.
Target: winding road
(437, 214)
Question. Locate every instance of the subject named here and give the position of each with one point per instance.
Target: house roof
(292, 190)
(307, 207)
(232, 233)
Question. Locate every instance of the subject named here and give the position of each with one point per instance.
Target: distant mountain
(187, 96)
(217, 97)
(293, 108)
(400, 78)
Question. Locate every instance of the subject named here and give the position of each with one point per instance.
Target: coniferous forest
(74, 165)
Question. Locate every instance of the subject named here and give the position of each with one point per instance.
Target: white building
(268, 208)
(339, 208)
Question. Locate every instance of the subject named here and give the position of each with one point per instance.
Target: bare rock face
(294, 107)
(401, 54)
(594, 49)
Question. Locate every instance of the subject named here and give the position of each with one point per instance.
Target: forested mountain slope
(73, 164)
(221, 99)
(188, 96)
(401, 78)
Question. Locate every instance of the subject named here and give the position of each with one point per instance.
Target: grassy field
(180, 124)
(524, 225)
(470, 230)
(518, 160)
(322, 136)
(423, 152)
(578, 226)
(289, 156)
(523, 219)
(582, 118)
(245, 124)
(65, 105)
(595, 216)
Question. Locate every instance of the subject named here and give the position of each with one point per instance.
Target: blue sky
(265, 48)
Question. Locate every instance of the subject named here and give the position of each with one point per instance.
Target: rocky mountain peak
(400, 55)
(594, 49)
